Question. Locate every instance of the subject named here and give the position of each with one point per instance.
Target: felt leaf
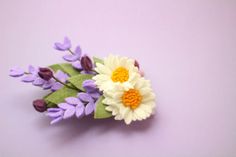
(55, 67)
(78, 80)
(98, 60)
(66, 68)
(60, 95)
(51, 105)
(100, 111)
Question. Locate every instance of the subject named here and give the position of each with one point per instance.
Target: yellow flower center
(131, 98)
(121, 74)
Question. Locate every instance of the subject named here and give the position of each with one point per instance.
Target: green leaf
(51, 105)
(65, 67)
(55, 67)
(60, 95)
(78, 80)
(100, 111)
(98, 60)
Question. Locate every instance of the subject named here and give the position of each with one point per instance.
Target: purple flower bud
(45, 73)
(86, 63)
(40, 105)
(136, 64)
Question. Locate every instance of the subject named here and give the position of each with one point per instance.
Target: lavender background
(186, 47)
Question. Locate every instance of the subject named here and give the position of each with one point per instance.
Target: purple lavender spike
(16, 72)
(89, 108)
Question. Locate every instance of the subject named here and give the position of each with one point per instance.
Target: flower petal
(16, 72)
(71, 58)
(73, 101)
(63, 46)
(28, 78)
(65, 106)
(77, 65)
(89, 85)
(53, 109)
(56, 86)
(89, 108)
(56, 120)
(78, 51)
(69, 113)
(38, 82)
(85, 97)
(95, 95)
(48, 84)
(79, 111)
(55, 114)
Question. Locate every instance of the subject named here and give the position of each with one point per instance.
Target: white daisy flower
(116, 71)
(137, 103)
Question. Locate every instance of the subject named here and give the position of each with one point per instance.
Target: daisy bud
(40, 105)
(136, 64)
(86, 63)
(45, 73)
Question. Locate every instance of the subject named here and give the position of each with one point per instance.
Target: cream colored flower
(136, 103)
(116, 71)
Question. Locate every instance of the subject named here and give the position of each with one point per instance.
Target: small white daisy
(137, 103)
(116, 71)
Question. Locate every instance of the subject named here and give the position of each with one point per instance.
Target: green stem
(71, 51)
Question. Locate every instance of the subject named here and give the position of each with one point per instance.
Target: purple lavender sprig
(36, 77)
(80, 106)
(82, 63)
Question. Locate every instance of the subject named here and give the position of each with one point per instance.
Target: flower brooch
(109, 87)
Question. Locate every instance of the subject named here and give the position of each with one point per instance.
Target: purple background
(187, 49)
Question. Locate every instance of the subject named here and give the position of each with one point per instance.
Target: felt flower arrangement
(104, 88)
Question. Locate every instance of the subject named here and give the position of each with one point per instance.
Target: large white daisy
(136, 103)
(116, 71)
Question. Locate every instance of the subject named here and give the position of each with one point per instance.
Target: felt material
(65, 67)
(100, 111)
(65, 45)
(60, 95)
(97, 60)
(78, 80)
